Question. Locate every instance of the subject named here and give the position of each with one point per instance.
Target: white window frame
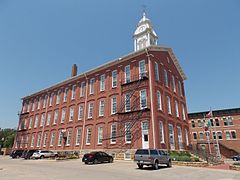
(114, 78)
(32, 140)
(113, 134)
(78, 136)
(88, 136)
(173, 145)
(100, 135)
(173, 83)
(180, 88)
(60, 137)
(90, 110)
(36, 121)
(71, 113)
(45, 101)
(169, 110)
(91, 90)
(82, 89)
(51, 99)
(127, 74)
(176, 108)
(102, 82)
(49, 114)
(101, 107)
(73, 91)
(69, 136)
(63, 116)
(52, 139)
(65, 95)
(127, 102)
(114, 105)
(43, 117)
(166, 78)
(156, 71)
(128, 133)
(58, 97)
(142, 70)
(159, 100)
(30, 122)
(180, 138)
(38, 140)
(143, 99)
(186, 136)
(183, 112)
(161, 130)
(39, 103)
(55, 118)
(45, 139)
(80, 112)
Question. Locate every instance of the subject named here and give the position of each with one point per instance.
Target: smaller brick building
(224, 128)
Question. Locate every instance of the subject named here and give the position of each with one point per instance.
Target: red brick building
(224, 128)
(135, 101)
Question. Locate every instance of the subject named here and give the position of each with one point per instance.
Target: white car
(40, 154)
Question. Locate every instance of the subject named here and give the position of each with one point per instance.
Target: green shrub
(183, 156)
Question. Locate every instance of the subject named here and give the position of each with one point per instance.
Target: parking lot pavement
(15, 169)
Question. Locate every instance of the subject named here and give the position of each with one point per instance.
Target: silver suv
(40, 154)
(152, 157)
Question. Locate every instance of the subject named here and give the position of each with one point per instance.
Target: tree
(7, 137)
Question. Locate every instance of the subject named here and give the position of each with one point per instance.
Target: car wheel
(17, 156)
(235, 159)
(140, 166)
(110, 160)
(41, 157)
(155, 166)
(95, 161)
(169, 164)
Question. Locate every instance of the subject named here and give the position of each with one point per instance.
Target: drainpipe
(85, 113)
(151, 96)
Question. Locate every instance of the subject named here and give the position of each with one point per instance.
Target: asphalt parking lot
(11, 169)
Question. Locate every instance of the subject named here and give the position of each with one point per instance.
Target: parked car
(152, 157)
(29, 154)
(24, 153)
(236, 158)
(41, 154)
(97, 157)
(16, 153)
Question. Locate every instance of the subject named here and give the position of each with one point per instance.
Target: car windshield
(142, 151)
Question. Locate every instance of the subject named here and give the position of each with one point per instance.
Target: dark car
(16, 153)
(29, 153)
(236, 158)
(24, 153)
(97, 157)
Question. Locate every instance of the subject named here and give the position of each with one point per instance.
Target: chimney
(74, 70)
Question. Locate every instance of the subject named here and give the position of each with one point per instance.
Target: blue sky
(40, 40)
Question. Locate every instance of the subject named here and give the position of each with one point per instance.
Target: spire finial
(144, 11)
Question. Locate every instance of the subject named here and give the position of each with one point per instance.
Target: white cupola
(144, 35)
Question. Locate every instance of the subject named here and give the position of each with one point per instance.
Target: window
(142, 69)
(180, 88)
(45, 140)
(171, 137)
(33, 139)
(90, 110)
(52, 139)
(199, 123)
(100, 135)
(194, 136)
(201, 136)
(25, 124)
(228, 136)
(26, 143)
(113, 133)
(28, 107)
(159, 100)
(34, 105)
(38, 140)
(127, 103)
(173, 84)
(71, 116)
(60, 137)
(165, 78)
(127, 74)
(45, 101)
(219, 134)
(217, 123)
(180, 141)
(102, 82)
(211, 121)
(21, 143)
(48, 118)
(214, 135)
(128, 135)
(227, 121)
(156, 71)
(78, 134)
(58, 97)
(63, 115)
(69, 135)
(101, 108)
(233, 135)
(114, 78)
(176, 109)
(114, 105)
(65, 95)
(30, 123)
(82, 89)
(92, 85)
(73, 91)
(169, 105)
(42, 120)
(39, 103)
(161, 130)
(186, 136)
(88, 138)
(80, 112)
(143, 99)
(51, 99)
(183, 112)
(193, 124)
(55, 119)
(36, 121)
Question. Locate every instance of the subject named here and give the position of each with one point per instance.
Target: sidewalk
(221, 166)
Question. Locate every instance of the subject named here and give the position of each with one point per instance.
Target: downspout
(85, 113)
(151, 96)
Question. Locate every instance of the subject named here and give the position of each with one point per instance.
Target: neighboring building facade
(136, 101)
(224, 129)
